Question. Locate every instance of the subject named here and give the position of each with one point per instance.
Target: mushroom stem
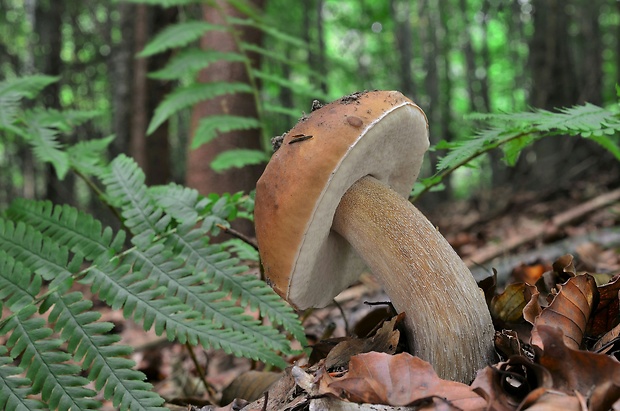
(447, 320)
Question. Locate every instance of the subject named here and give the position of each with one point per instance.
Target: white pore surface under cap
(391, 149)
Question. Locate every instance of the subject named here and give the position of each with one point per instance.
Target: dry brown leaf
(606, 343)
(250, 385)
(607, 312)
(385, 340)
(508, 306)
(595, 376)
(506, 384)
(544, 399)
(569, 310)
(401, 380)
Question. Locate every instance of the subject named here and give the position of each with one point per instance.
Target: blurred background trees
(452, 57)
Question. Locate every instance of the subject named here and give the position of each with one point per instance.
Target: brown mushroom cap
(378, 133)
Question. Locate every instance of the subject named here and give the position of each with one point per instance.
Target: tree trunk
(48, 26)
(401, 14)
(199, 172)
(152, 153)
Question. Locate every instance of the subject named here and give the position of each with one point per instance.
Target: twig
(547, 229)
(200, 371)
(237, 234)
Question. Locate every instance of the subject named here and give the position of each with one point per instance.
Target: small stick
(237, 234)
(298, 138)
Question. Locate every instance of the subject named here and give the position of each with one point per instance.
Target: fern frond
(125, 187)
(18, 285)
(44, 141)
(158, 263)
(461, 151)
(210, 126)
(184, 97)
(272, 108)
(239, 157)
(138, 298)
(178, 35)
(221, 272)
(190, 61)
(46, 365)
(270, 30)
(89, 157)
(13, 91)
(180, 202)
(91, 344)
(163, 3)
(78, 231)
(37, 253)
(304, 90)
(14, 390)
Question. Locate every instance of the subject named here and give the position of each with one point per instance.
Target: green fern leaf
(188, 62)
(90, 344)
(125, 184)
(272, 108)
(14, 390)
(164, 3)
(184, 97)
(136, 296)
(238, 158)
(78, 231)
(177, 201)
(43, 139)
(178, 35)
(89, 157)
(157, 263)
(270, 30)
(304, 90)
(13, 91)
(37, 253)
(18, 285)
(221, 272)
(210, 126)
(46, 364)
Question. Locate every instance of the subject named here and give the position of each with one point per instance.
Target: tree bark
(152, 153)
(199, 172)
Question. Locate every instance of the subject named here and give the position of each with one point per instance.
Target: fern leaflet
(14, 390)
(178, 35)
(190, 61)
(209, 127)
(187, 96)
(90, 344)
(46, 364)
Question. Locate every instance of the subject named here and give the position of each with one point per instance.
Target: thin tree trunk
(401, 14)
(199, 172)
(121, 71)
(139, 102)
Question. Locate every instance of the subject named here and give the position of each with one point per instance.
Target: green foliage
(189, 59)
(160, 270)
(512, 132)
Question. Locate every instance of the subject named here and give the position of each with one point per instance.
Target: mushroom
(334, 199)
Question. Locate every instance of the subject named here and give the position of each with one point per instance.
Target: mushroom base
(447, 319)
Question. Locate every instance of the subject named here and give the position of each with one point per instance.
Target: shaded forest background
(452, 57)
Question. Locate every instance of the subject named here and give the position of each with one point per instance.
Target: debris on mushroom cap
(378, 133)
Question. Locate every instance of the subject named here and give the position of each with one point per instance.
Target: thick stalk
(447, 320)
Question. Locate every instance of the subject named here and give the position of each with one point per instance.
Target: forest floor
(521, 239)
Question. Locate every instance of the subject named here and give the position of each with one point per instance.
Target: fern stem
(201, 372)
(98, 192)
(440, 176)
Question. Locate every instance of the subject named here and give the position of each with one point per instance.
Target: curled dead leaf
(569, 310)
(607, 313)
(506, 384)
(401, 380)
(595, 376)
